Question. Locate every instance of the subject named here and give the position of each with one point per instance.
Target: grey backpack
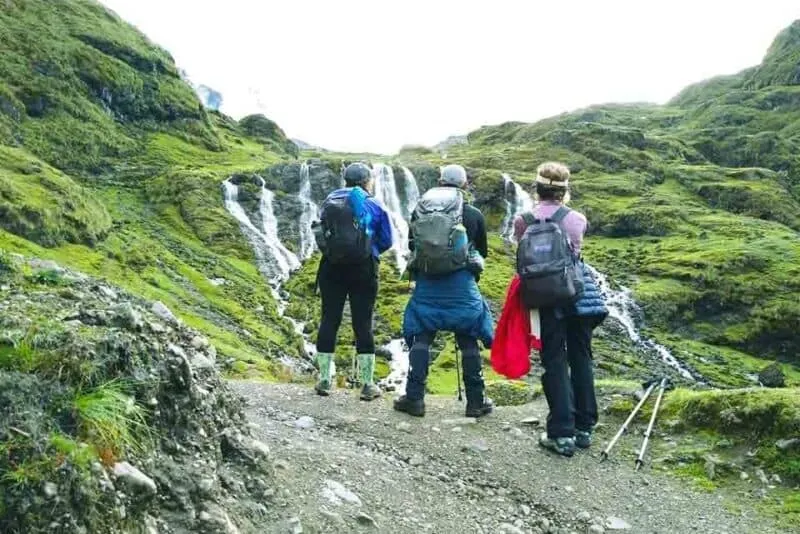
(549, 273)
(441, 244)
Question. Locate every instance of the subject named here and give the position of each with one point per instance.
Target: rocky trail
(348, 466)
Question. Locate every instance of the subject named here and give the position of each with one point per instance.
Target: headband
(549, 181)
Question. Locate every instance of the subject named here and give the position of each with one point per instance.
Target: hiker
(564, 329)
(447, 240)
(352, 233)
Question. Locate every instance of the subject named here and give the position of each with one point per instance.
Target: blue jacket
(371, 215)
(452, 303)
(591, 304)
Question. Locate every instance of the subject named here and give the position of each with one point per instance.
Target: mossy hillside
(45, 205)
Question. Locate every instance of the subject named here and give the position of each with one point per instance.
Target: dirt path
(337, 458)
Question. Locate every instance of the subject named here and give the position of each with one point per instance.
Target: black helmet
(356, 174)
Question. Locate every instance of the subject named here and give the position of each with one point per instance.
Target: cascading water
(620, 305)
(398, 367)
(285, 260)
(310, 214)
(412, 193)
(274, 261)
(517, 201)
(386, 194)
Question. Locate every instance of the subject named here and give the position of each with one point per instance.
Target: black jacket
(475, 225)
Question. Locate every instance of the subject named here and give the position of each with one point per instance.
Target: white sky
(372, 75)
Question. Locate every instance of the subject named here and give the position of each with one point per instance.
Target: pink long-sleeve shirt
(574, 223)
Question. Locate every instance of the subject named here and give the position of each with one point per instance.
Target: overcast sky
(372, 75)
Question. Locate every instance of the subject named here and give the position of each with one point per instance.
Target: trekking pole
(624, 427)
(458, 372)
(640, 459)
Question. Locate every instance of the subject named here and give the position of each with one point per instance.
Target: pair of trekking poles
(650, 387)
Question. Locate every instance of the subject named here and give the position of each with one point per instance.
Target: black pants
(568, 379)
(419, 359)
(359, 282)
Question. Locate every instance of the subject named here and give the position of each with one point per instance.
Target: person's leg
(579, 354)
(363, 290)
(334, 294)
(556, 385)
(472, 366)
(418, 359)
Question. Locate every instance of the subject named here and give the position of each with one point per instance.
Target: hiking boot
(485, 408)
(370, 392)
(411, 407)
(323, 388)
(562, 446)
(583, 439)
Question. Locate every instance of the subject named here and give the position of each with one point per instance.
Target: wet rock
(215, 520)
(533, 421)
(762, 477)
(584, 517)
(107, 292)
(772, 376)
(199, 342)
(134, 479)
(478, 446)
(775, 479)
(295, 526)
(164, 313)
(596, 529)
(744, 476)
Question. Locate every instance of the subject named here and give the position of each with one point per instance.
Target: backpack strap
(559, 214)
(528, 217)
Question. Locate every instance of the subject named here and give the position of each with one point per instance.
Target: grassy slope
(109, 164)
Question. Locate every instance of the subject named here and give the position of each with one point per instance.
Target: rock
(404, 426)
(107, 292)
(134, 479)
(199, 342)
(460, 421)
(295, 526)
(584, 517)
(526, 510)
(127, 317)
(772, 376)
(50, 490)
(332, 517)
(416, 460)
(762, 477)
(788, 444)
(508, 528)
(616, 523)
(476, 446)
(217, 519)
(366, 520)
(544, 523)
(161, 310)
(304, 422)
(510, 392)
(533, 421)
(336, 493)
(596, 529)
(775, 479)
(744, 476)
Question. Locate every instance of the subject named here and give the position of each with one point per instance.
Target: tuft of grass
(111, 420)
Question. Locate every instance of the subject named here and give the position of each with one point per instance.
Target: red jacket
(511, 348)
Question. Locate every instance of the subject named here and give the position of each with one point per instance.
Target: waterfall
(620, 304)
(310, 214)
(517, 201)
(274, 261)
(285, 260)
(386, 194)
(412, 192)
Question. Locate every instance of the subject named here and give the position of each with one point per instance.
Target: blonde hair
(552, 180)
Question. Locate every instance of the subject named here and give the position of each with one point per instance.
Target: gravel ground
(348, 466)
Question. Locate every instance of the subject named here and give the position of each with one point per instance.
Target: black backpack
(338, 234)
(550, 275)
